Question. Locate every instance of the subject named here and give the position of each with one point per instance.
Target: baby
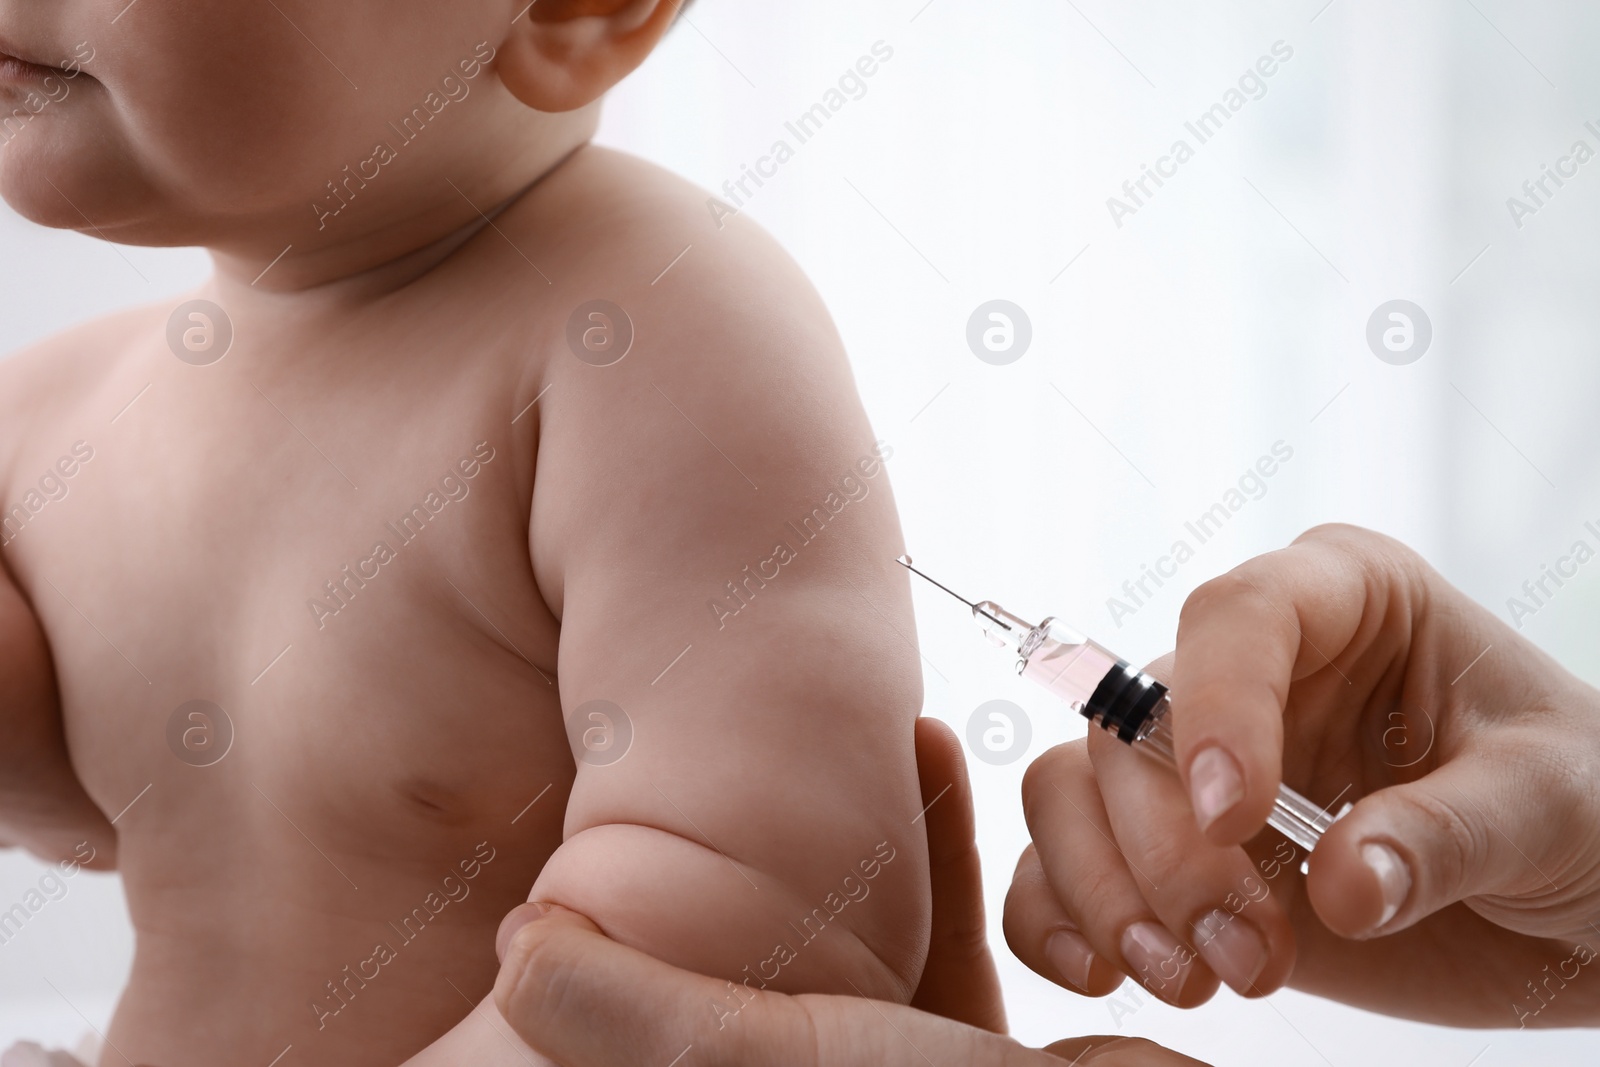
(498, 523)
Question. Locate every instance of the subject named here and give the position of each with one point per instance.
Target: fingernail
(1232, 947)
(1394, 880)
(1157, 959)
(1215, 785)
(516, 919)
(1071, 956)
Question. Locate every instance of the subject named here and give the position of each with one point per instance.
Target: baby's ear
(564, 54)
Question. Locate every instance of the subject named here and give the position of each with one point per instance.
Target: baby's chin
(61, 175)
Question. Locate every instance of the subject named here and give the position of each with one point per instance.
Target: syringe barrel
(1095, 681)
(1119, 698)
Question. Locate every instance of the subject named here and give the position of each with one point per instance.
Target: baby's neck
(394, 251)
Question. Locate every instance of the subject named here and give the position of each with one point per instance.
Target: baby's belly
(333, 884)
(243, 975)
(259, 937)
(385, 783)
(395, 768)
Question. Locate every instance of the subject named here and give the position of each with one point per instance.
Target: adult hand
(28, 1054)
(586, 1001)
(1463, 887)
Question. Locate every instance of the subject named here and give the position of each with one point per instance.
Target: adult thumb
(586, 1001)
(1475, 827)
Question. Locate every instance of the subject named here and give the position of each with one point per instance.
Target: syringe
(1118, 698)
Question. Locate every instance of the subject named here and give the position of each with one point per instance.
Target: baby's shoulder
(692, 278)
(53, 381)
(629, 207)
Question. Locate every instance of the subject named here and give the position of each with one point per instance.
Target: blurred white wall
(1227, 314)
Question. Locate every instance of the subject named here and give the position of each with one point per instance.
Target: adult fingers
(1046, 939)
(1100, 1050)
(1501, 824)
(585, 1001)
(1096, 886)
(851, 1032)
(959, 981)
(1242, 639)
(581, 999)
(1211, 899)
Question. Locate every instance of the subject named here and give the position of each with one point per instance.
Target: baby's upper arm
(42, 805)
(713, 524)
(30, 716)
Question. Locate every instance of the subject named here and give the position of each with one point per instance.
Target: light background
(1168, 354)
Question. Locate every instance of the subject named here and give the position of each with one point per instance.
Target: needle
(905, 561)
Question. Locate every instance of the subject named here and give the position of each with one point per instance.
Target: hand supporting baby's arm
(717, 535)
